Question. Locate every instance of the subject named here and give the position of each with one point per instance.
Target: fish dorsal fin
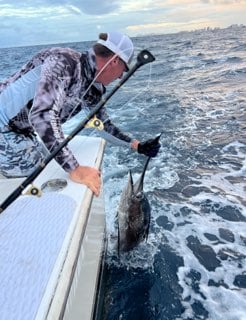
(130, 183)
(138, 186)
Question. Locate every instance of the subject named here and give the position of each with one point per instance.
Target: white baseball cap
(120, 44)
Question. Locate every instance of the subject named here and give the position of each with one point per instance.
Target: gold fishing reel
(95, 123)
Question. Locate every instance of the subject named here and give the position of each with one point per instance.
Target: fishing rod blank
(143, 58)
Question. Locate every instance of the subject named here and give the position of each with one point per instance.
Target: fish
(134, 213)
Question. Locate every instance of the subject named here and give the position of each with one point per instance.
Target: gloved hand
(150, 147)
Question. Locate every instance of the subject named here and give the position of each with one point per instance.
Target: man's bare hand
(134, 144)
(88, 176)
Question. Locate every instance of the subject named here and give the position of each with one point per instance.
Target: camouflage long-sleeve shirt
(51, 88)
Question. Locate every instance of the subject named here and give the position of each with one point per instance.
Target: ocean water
(193, 265)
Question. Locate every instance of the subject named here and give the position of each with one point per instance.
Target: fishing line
(145, 88)
(80, 100)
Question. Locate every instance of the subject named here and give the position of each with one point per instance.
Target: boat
(52, 243)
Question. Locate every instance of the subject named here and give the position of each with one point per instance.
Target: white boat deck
(51, 246)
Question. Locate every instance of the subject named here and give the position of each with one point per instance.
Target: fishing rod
(143, 58)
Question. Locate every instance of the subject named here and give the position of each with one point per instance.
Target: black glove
(149, 148)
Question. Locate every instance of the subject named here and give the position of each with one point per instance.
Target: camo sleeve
(117, 136)
(48, 101)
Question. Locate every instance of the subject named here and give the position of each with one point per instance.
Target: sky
(33, 22)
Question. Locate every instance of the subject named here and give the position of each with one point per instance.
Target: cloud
(154, 26)
(45, 21)
(92, 7)
(98, 7)
(223, 2)
(26, 12)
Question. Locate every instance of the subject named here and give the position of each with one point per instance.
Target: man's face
(113, 71)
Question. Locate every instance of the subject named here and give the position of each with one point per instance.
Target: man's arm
(44, 114)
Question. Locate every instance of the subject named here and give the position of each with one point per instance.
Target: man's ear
(116, 60)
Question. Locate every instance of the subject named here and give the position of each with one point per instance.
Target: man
(48, 90)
